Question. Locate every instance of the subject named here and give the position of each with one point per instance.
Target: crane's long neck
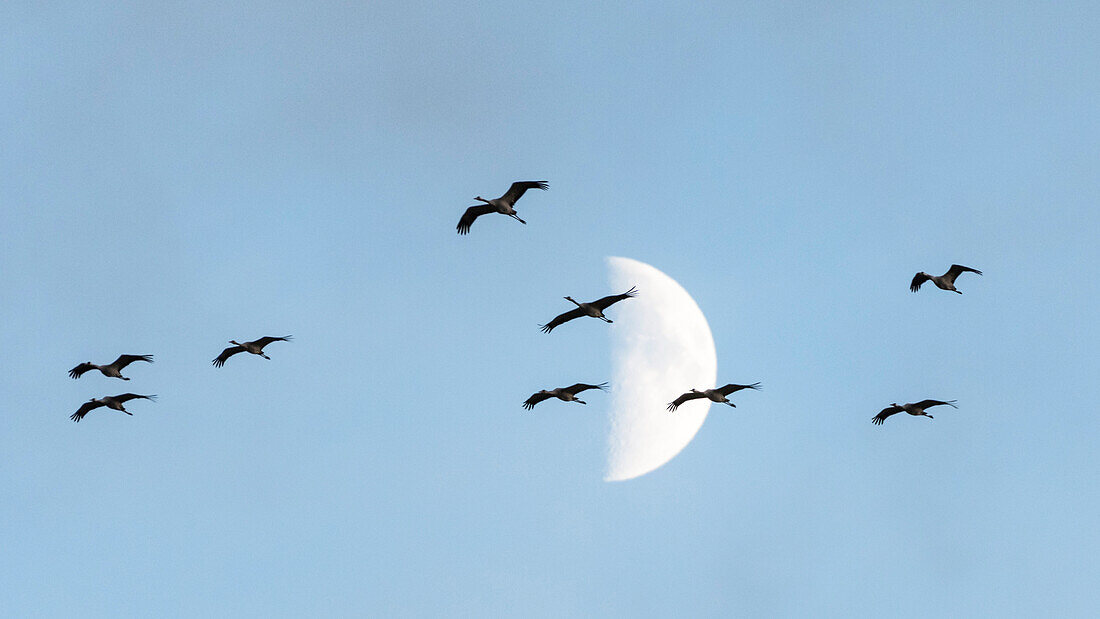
(573, 301)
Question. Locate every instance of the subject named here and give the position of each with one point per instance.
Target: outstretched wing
(579, 387)
(691, 395)
(267, 339)
(605, 302)
(227, 353)
(886, 412)
(918, 279)
(518, 188)
(79, 370)
(126, 397)
(923, 404)
(730, 388)
(83, 410)
(958, 269)
(560, 318)
(536, 398)
(471, 214)
(125, 360)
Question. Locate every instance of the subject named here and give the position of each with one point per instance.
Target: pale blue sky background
(176, 175)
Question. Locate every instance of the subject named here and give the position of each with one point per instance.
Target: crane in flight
(255, 347)
(503, 205)
(916, 409)
(943, 282)
(565, 394)
(594, 309)
(714, 395)
(113, 369)
(114, 402)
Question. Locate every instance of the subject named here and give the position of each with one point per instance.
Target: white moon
(661, 347)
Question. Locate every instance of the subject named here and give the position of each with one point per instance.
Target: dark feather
(930, 403)
(267, 339)
(918, 279)
(536, 398)
(691, 395)
(471, 214)
(518, 188)
(958, 269)
(605, 302)
(226, 354)
(579, 387)
(125, 360)
(126, 397)
(730, 388)
(84, 409)
(79, 370)
(562, 318)
(884, 413)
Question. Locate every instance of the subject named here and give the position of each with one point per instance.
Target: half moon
(661, 346)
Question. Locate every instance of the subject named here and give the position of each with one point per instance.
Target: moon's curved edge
(661, 347)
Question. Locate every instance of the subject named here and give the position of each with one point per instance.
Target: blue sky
(175, 176)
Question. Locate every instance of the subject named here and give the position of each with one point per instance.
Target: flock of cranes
(505, 205)
(114, 370)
